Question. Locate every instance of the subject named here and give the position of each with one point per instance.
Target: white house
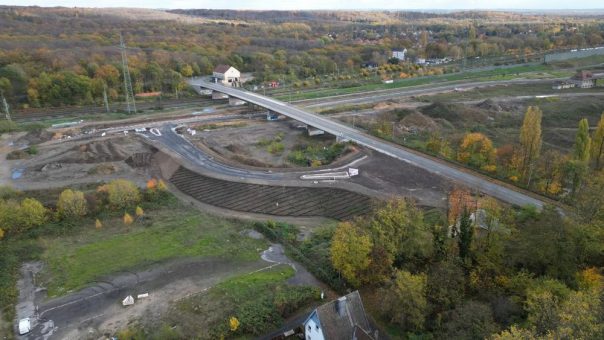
(341, 319)
(400, 55)
(227, 75)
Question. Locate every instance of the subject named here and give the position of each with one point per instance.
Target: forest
(52, 57)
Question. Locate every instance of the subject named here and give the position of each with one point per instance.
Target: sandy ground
(244, 144)
(96, 310)
(70, 163)
(397, 178)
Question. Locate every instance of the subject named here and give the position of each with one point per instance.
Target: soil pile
(419, 121)
(490, 105)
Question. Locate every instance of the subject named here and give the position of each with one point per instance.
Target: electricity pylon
(130, 104)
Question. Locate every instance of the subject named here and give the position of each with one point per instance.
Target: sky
(320, 4)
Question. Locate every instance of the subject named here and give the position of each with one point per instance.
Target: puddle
(17, 173)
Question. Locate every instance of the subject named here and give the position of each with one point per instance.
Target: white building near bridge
(226, 75)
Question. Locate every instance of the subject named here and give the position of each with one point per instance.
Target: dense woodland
(61, 56)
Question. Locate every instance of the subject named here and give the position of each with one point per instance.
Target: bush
(32, 150)
(8, 126)
(72, 204)
(121, 193)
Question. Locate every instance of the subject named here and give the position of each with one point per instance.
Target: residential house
(341, 319)
(227, 75)
(398, 54)
(584, 80)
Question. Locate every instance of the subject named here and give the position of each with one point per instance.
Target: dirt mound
(95, 152)
(139, 159)
(456, 114)
(35, 137)
(419, 121)
(490, 105)
(103, 169)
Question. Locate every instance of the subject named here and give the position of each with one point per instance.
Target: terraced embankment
(271, 200)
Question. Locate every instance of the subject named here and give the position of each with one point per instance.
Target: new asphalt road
(472, 181)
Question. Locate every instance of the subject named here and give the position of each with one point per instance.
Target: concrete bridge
(474, 181)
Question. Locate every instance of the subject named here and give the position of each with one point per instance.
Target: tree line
(55, 57)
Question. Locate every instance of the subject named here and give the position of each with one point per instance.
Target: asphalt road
(472, 181)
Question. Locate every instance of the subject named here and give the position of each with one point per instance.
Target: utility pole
(5, 106)
(128, 92)
(105, 98)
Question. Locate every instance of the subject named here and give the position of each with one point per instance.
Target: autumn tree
(551, 170)
(460, 200)
(98, 224)
(597, 144)
(233, 323)
(530, 141)
(71, 204)
(466, 234)
(139, 212)
(122, 193)
(404, 301)
(582, 142)
(128, 219)
(350, 249)
(477, 150)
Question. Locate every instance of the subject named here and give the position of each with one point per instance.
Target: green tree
(446, 284)
(350, 249)
(471, 320)
(31, 214)
(542, 302)
(404, 301)
(590, 201)
(597, 145)
(72, 204)
(530, 141)
(582, 142)
(400, 230)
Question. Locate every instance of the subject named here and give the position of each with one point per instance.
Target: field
(173, 231)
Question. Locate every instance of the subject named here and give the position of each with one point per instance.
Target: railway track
(31, 115)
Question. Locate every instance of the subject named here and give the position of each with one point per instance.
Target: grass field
(74, 261)
(259, 301)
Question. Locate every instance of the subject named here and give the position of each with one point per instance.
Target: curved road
(342, 131)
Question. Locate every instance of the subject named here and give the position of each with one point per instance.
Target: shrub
(72, 204)
(7, 126)
(122, 193)
(128, 219)
(32, 150)
(139, 211)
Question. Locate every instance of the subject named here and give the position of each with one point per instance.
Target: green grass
(471, 75)
(260, 301)
(76, 261)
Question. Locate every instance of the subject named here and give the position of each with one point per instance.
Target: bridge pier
(313, 131)
(236, 101)
(219, 95)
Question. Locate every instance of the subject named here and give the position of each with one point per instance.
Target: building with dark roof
(341, 319)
